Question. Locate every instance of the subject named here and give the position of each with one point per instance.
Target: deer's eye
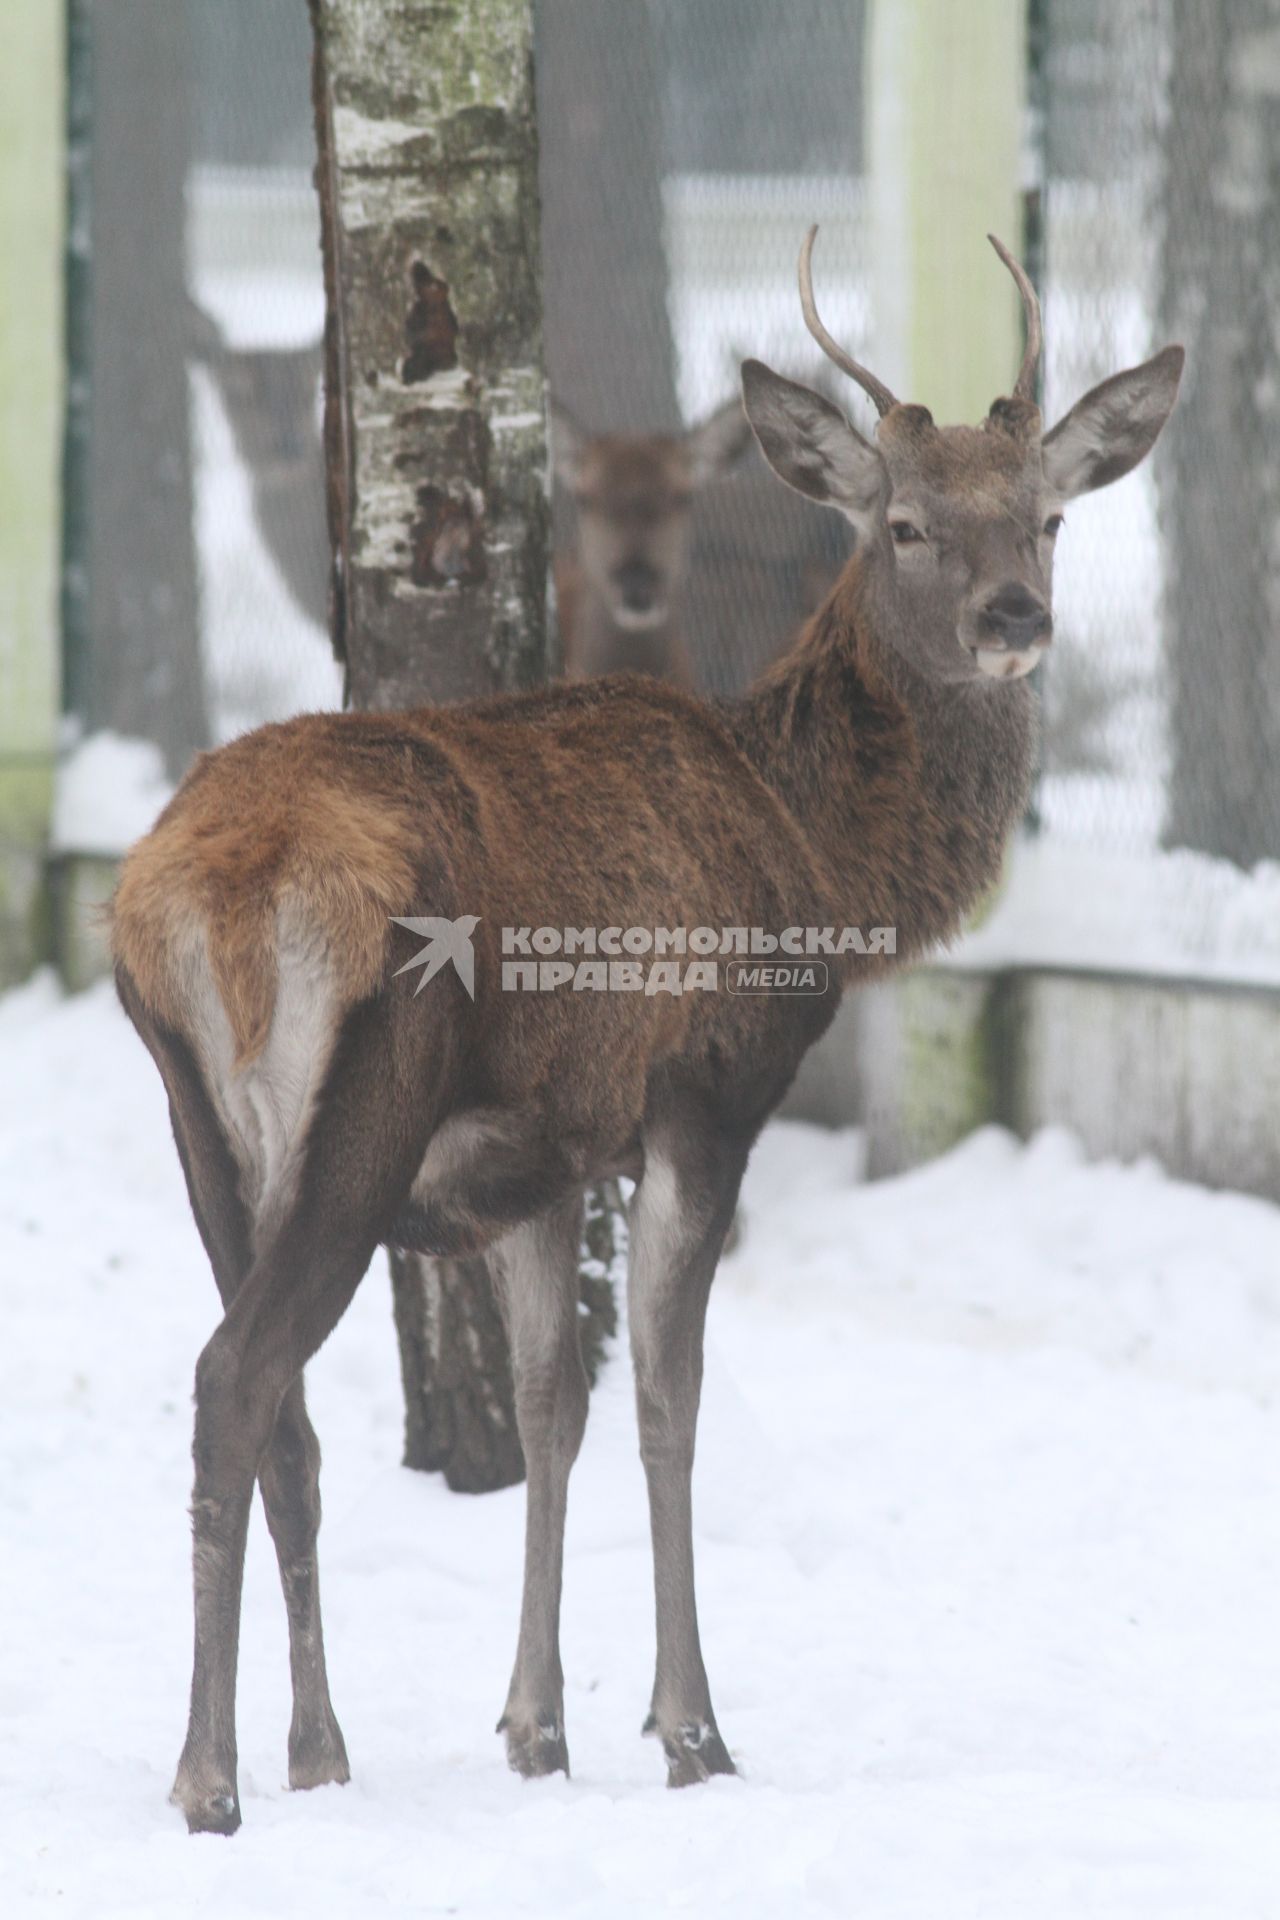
(1054, 525)
(904, 534)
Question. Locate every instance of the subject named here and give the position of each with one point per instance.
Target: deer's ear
(1115, 426)
(811, 445)
(567, 443)
(717, 443)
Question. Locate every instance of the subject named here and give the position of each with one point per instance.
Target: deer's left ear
(567, 443)
(717, 443)
(1115, 426)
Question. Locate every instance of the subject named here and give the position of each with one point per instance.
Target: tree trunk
(1220, 295)
(435, 449)
(454, 1361)
(140, 672)
(610, 355)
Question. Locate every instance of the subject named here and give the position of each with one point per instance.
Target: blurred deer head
(271, 397)
(634, 494)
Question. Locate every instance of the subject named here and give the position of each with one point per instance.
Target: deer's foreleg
(535, 1269)
(680, 1216)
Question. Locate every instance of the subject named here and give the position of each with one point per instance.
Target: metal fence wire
(686, 145)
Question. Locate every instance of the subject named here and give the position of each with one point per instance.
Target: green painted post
(31, 337)
(947, 89)
(947, 104)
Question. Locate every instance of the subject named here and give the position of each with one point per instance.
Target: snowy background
(988, 1531)
(988, 1488)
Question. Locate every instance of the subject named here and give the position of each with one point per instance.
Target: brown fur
(869, 779)
(248, 826)
(619, 803)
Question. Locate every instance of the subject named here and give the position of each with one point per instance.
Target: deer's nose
(1015, 617)
(638, 582)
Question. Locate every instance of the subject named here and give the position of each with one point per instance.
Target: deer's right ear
(567, 443)
(811, 445)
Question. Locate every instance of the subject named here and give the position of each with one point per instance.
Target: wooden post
(947, 86)
(32, 91)
(141, 673)
(947, 93)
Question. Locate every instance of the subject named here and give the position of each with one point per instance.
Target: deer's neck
(906, 789)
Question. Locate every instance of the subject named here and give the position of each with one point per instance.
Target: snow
(264, 660)
(1176, 915)
(109, 791)
(988, 1514)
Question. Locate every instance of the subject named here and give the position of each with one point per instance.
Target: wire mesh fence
(254, 330)
(686, 145)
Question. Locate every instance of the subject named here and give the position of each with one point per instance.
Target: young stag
(322, 1107)
(620, 599)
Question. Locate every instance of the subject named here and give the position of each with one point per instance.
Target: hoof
(694, 1752)
(535, 1748)
(208, 1812)
(318, 1758)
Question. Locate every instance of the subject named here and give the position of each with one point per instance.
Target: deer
(619, 602)
(271, 397)
(322, 1106)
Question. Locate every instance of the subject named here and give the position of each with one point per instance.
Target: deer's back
(615, 804)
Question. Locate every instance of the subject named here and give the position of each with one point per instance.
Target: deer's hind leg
(290, 1481)
(289, 1475)
(363, 1138)
(286, 1471)
(289, 1472)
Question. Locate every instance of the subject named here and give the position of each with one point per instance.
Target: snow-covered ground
(988, 1509)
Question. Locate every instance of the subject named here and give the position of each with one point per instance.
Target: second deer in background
(620, 598)
(272, 400)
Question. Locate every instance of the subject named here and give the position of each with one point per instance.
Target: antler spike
(867, 381)
(1024, 387)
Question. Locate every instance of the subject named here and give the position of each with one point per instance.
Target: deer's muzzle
(1009, 632)
(1014, 618)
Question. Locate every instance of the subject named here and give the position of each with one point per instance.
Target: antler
(867, 381)
(1024, 387)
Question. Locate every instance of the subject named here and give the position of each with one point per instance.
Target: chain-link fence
(253, 272)
(1162, 141)
(686, 145)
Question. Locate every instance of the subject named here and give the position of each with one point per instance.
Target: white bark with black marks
(436, 454)
(428, 172)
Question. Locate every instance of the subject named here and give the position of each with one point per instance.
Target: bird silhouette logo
(446, 940)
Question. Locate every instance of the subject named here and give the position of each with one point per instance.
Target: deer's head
(959, 524)
(635, 494)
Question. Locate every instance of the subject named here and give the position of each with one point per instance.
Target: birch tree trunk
(435, 452)
(1220, 297)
